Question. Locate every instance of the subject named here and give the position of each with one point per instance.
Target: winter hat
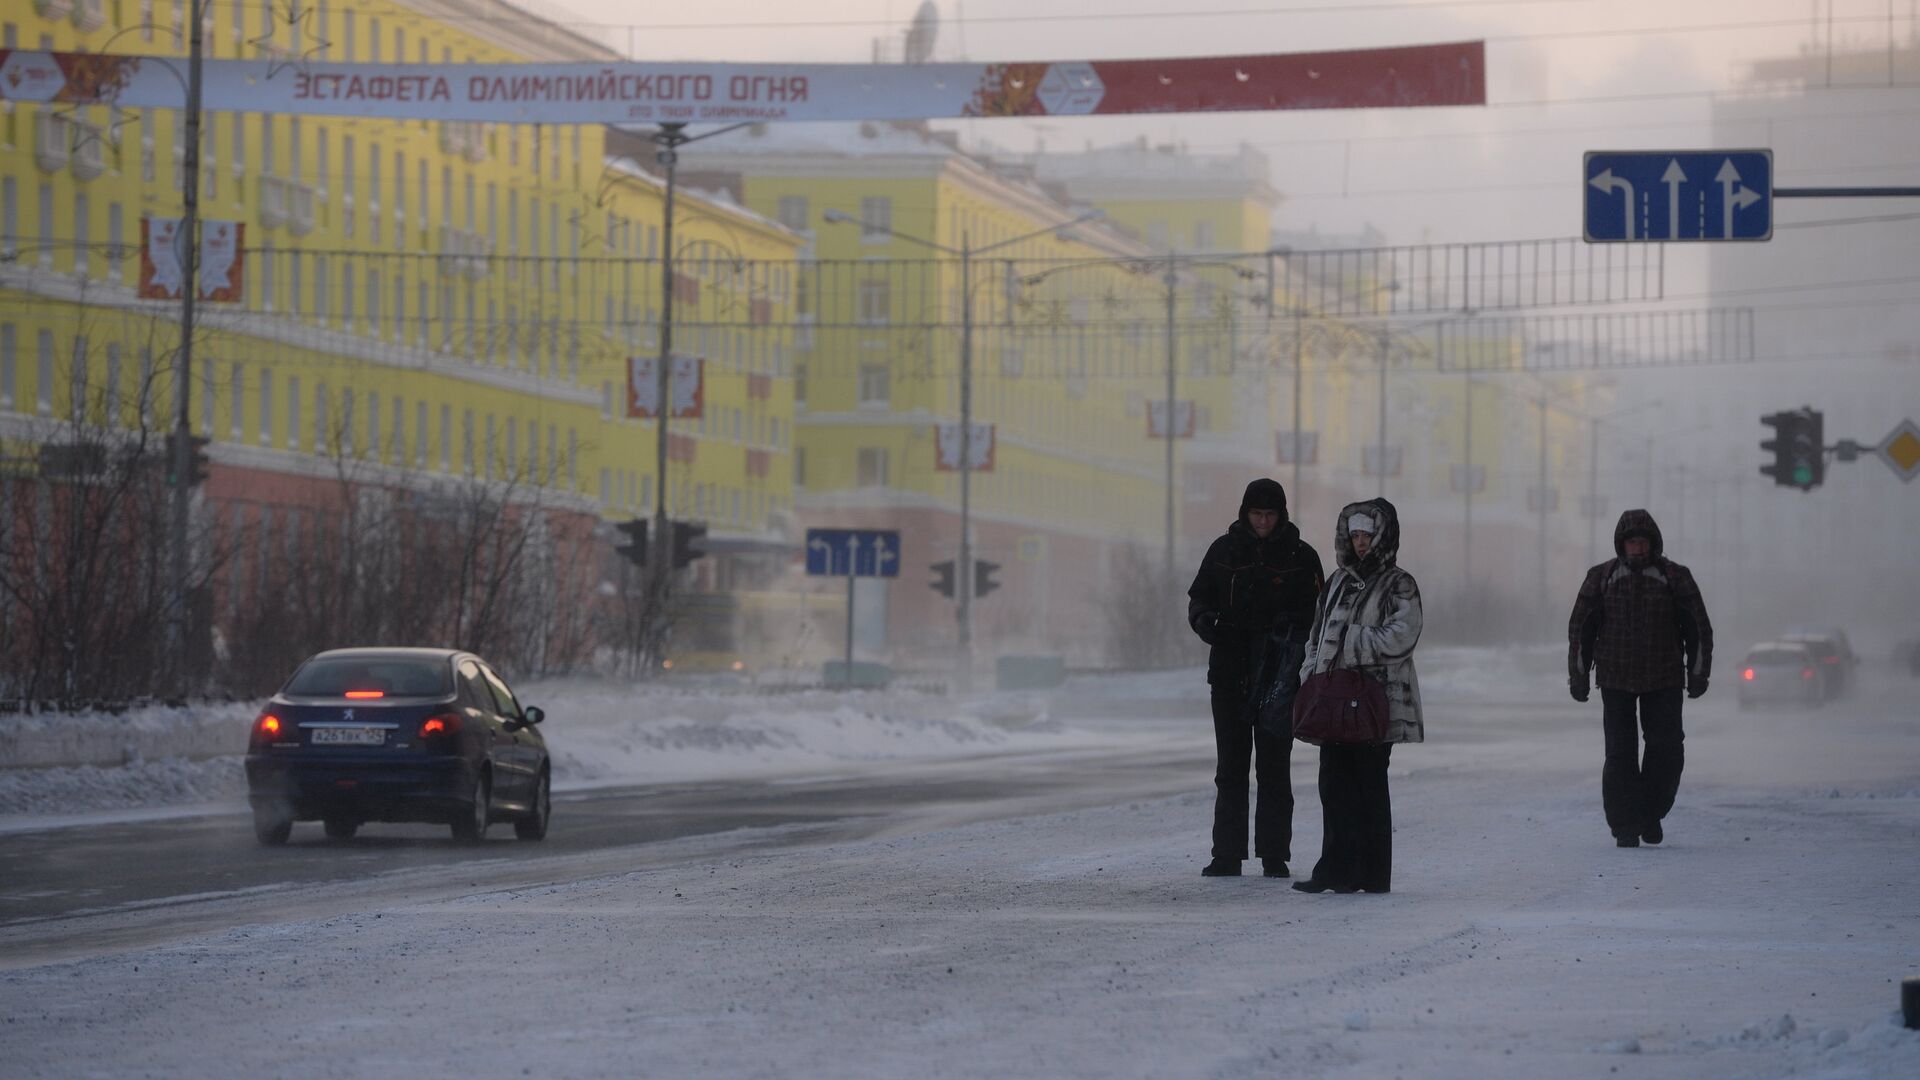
(1264, 494)
(1361, 523)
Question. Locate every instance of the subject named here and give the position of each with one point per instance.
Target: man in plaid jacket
(1641, 622)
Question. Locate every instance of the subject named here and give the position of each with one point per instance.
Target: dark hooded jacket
(1641, 623)
(1250, 590)
(1369, 619)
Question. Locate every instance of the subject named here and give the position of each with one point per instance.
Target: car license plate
(349, 736)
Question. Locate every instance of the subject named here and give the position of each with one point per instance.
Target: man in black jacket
(1253, 602)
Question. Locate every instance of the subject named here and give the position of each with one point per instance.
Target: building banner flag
(946, 441)
(162, 275)
(686, 384)
(1453, 73)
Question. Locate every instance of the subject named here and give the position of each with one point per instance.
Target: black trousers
(1638, 792)
(1356, 814)
(1241, 744)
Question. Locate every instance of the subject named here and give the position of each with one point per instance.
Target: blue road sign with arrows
(853, 553)
(1657, 196)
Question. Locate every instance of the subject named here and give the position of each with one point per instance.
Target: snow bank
(599, 734)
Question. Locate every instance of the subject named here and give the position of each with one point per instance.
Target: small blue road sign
(1678, 195)
(853, 552)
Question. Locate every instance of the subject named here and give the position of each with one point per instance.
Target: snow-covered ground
(1767, 937)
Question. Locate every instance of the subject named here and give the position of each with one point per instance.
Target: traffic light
(944, 583)
(689, 543)
(196, 460)
(635, 549)
(983, 582)
(1799, 456)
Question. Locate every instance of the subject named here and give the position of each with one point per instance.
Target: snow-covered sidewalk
(1767, 937)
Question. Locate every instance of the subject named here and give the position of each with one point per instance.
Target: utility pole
(1172, 281)
(1593, 490)
(964, 579)
(1380, 436)
(188, 244)
(1299, 359)
(670, 138)
(1466, 537)
(1542, 500)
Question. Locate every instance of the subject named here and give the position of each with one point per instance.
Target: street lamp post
(963, 572)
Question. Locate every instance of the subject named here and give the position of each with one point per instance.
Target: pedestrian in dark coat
(1252, 601)
(1368, 620)
(1640, 625)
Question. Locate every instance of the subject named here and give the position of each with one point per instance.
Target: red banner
(1418, 75)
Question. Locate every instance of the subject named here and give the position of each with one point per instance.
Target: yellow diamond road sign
(1901, 450)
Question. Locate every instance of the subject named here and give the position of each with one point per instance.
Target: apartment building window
(345, 435)
(348, 183)
(266, 143)
(446, 195)
(373, 192)
(876, 218)
(240, 154)
(446, 437)
(373, 426)
(147, 402)
(490, 448)
(793, 211)
(875, 384)
(373, 302)
(320, 418)
(400, 307)
(43, 392)
(870, 466)
(399, 435)
(9, 213)
(240, 25)
(320, 298)
(420, 304)
(236, 392)
(206, 398)
(399, 200)
(293, 412)
(346, 297)
(295, 265)
(267, 283)
(466, 438)
(9, 344)
(348, 43)
(266, 406)
(46, 225)
(606, 486)
(116, 239)
(373, 41)
(323, 176)
(82, 234)
(511, 463)
(875, 303)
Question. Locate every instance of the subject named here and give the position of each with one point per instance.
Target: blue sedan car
(433, 735)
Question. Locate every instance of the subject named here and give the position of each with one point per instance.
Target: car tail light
(1747, 674)
(739, 665)
(363, 695)
(440, 726)
(266, 729)
(1829, 659)
(1806, 673)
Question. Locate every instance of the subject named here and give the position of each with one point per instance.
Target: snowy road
(1040, 914)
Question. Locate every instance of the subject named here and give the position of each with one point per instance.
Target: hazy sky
(1564, 76)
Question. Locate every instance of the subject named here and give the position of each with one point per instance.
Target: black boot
(1221, 867)
(1314, 885)
(1653, 834)
(1273, 868)
(1626, 840)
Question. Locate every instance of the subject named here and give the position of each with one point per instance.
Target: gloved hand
(1578, 686)
(1207, 625)
(1696, 685)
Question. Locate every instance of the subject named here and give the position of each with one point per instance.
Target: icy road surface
(1767, 937)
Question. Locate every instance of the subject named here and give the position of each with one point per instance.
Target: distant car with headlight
(422, 735)
(1781, 671)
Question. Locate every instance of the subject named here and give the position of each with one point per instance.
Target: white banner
(686, 383)
(1182, 419)
(947, 446)
(565, 93)
(162, 275)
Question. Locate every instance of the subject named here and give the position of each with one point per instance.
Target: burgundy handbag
(1341, 706)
